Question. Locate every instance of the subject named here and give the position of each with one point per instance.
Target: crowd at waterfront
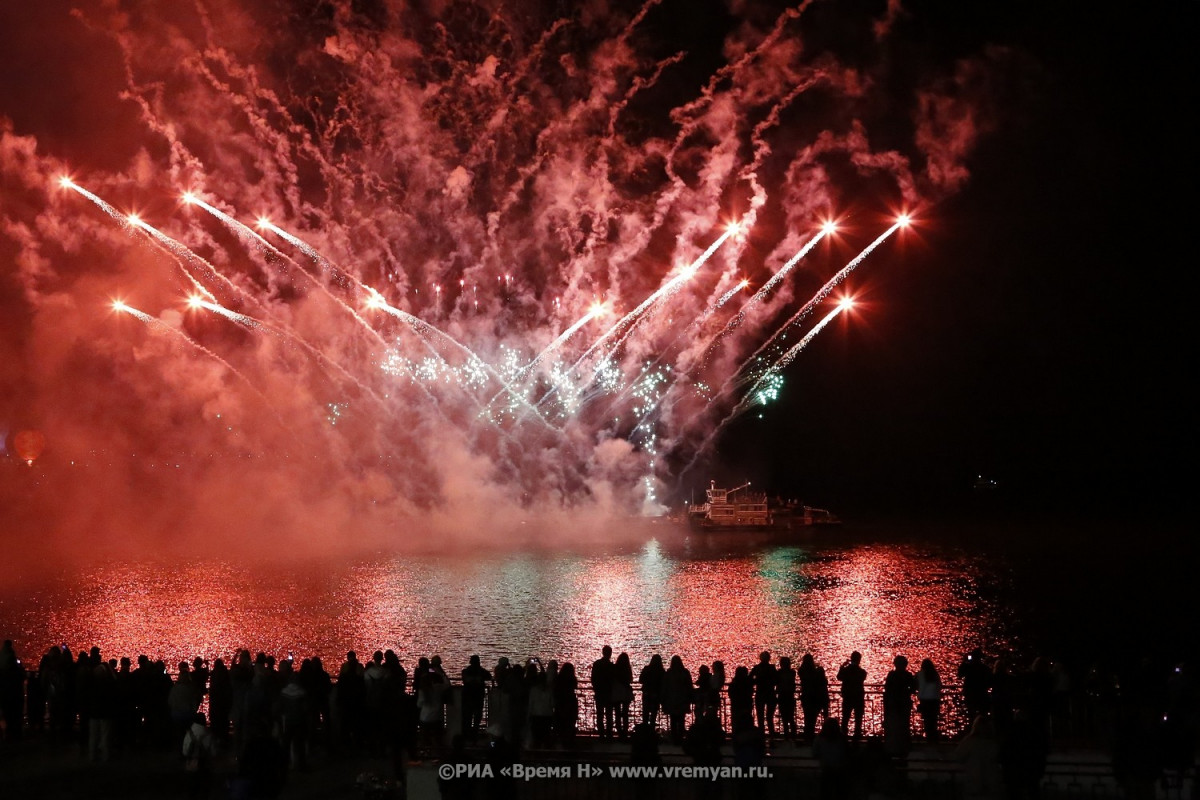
(273, 713)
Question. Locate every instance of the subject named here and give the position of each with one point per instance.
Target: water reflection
(703, 602)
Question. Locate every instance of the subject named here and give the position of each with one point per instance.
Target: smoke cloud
(491, 173)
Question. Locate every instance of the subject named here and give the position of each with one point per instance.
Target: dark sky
(1033, 327)
(1038, 329)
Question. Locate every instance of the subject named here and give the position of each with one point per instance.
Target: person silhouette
(853, 678)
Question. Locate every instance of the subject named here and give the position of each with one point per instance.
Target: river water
(881, 590)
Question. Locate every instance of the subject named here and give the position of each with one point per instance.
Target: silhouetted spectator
(741, 700)
(220, 699)
(814, 694)
(475, 679)
(1003, 697)
(566, 704)
(541, 710)
(102, 718)
(677, 697)
(126, 722)
(182, 701)
(622, 694)
(375, 679)
(929, 698)
(643, 752)
(853, 678)
(350, 698)
(718, 680)
(431, 698)
(293, 721)
(199, 750)
(52, 674)
(705, 695)
(764, 675)
(12, 691)
(898, 688)
(651, 680)
(704, 739)
(976, 680)
(602, 691)
(785, 690)
(319, 686)
(833, 754)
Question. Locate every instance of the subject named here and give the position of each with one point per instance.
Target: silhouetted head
(764, 657)
(785, 662)
(474, 661)
(741, 672)
(656, 660)
(900, 662)
(927, 666)
(377, 656)
(808, 660)
(676, 662)
(606, 651)
(352, 656)
(855, 657)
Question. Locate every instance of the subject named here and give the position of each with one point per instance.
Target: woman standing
(929, 698)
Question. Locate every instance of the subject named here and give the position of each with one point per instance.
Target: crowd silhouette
(273, 714)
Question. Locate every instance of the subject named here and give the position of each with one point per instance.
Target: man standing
(853, 677)
(602, 690)
(475, 680)
(764, 677)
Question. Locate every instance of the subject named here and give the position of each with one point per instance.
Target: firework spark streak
(631, 319)
(290, 336)
(821, 294)
(240, 229)
(766, 288)
(157, 324)
(754, 395)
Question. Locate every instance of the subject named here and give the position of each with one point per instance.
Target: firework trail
(157, 324)
(287, 335)
(669, 349)
(181, 251)
(133, 223)
(759, 391)
(667, 289)
(117, 216)
(248, 235)
(787, 358)
(821, 294)
(765, 289)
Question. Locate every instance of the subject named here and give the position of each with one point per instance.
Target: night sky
(1032, 326)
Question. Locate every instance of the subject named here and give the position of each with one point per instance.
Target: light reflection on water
(702, 600)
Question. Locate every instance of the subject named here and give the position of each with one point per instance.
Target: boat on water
(740, 509)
